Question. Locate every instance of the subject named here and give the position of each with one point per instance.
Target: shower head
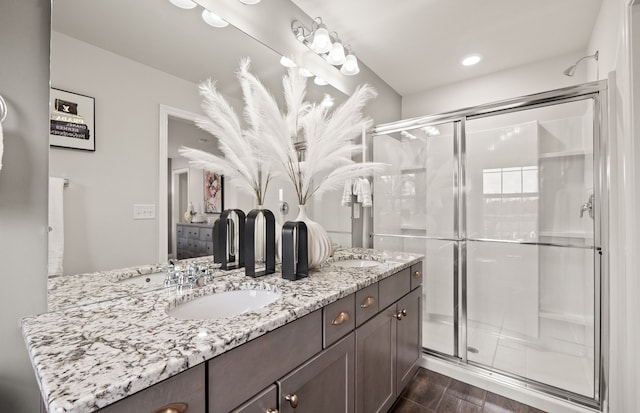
(571, 70)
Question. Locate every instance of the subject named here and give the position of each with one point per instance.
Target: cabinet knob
(173, 408)
(417, 274)
(368, 302)
(340, 318)
(400, 314)
(292, 399)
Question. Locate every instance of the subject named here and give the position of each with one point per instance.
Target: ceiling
(413, 45)
(416, 45)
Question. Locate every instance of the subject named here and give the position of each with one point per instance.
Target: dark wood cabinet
(323, 384)
(409, 340)
(184, 392)
(376, 363)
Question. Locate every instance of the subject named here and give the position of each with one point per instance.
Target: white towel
(1, 146)
(56, 226)
(365, 192)
(347, 193)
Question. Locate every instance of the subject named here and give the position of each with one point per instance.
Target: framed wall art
(213, 192)
(72, 120)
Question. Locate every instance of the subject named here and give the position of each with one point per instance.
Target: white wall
(519, 81)
(100, 232)
(24, 84)
(617, 36)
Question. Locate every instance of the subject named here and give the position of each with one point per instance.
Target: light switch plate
(144, 211)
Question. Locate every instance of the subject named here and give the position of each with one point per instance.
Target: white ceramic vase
(318, 240)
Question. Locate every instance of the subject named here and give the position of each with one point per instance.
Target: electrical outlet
(144, 211)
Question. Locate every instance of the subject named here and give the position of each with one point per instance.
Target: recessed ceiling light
(471, 60)
(250, 1)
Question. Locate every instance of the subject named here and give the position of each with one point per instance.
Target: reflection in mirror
(134, 58)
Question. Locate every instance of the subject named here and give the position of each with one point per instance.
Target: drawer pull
(292, 399)
(173, 408)
(368, 302)
(417, 274)
(340, 318)
(400, 314)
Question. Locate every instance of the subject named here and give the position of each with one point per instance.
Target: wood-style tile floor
(430, 392)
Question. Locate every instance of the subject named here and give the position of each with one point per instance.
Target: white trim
(163, 139)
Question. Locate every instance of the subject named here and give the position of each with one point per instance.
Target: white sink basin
(357, 263)
(153, 279)
(223, 304)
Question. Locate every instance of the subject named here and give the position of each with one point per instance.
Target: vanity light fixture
(328, 45)
(471, 60)
(184, 4)
(350, 66)
(213, 19)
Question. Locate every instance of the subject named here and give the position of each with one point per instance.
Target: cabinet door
(376, 363)
(409, 344)
(323, 384)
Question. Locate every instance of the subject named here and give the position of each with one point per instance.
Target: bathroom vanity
(344, 339)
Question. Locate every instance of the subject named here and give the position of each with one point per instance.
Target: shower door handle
(587, 207)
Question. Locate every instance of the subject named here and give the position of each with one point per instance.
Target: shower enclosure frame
(597, 91)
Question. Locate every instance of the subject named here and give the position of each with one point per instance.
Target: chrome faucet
(191, 275)
(587, 206)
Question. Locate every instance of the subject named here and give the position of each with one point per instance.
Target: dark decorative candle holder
(269, 244)
(224, 242)
(295, 261)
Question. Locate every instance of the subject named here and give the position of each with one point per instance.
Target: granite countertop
(90, 356)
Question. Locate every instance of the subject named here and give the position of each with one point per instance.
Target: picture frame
(213, 192)
(71, 120)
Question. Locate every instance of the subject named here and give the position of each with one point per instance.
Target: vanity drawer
(193, 233)
(206, 234)
(366, 303)
(180, 231)
(416, 275)
(250, 368)
(184, 388)
(338, 319)
(394, 287)
(262, 403)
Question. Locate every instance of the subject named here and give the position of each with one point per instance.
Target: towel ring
(3, 109)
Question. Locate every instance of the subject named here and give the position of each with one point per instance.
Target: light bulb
(213, 19)
(305, 72)
(321, 40)
(320, 81)
(336, 55)
(184, 4)
(250, 1)
(286, 62)
(350, 66)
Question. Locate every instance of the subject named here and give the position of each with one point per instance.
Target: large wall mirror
(133, 58)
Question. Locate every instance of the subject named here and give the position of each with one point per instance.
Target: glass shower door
(415, 211)
(531, 253)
